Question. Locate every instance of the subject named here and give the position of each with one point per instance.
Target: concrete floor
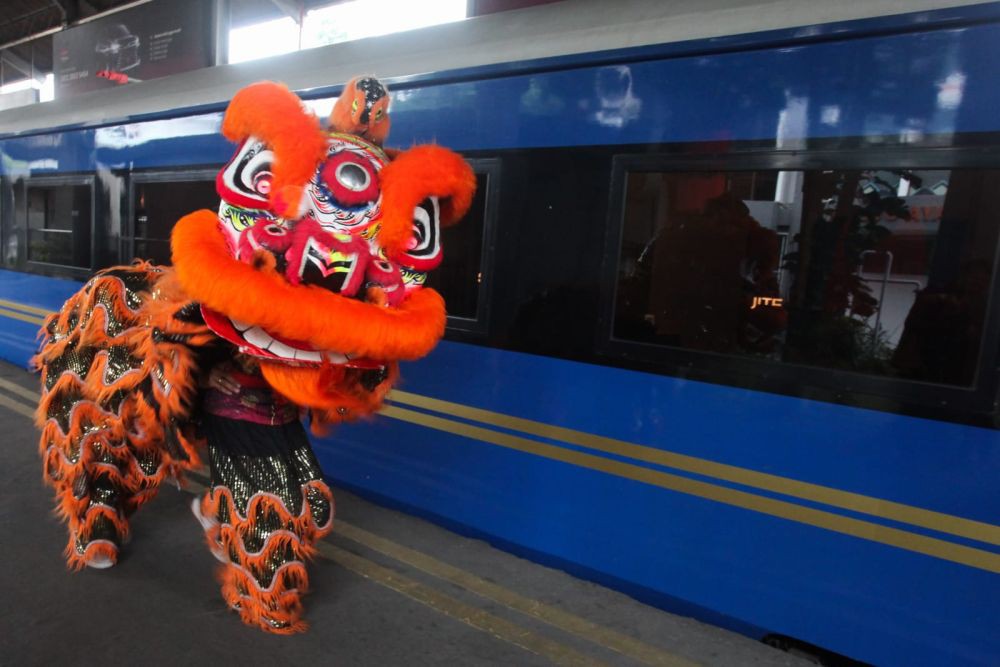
(387, 589)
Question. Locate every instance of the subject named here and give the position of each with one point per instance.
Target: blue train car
(723, 324)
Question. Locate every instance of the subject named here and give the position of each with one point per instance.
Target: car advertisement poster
(155, 39)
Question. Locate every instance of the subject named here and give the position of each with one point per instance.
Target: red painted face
(333, 244)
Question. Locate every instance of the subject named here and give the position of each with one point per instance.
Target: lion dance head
(316, 260)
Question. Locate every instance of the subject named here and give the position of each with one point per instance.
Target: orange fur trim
(83, 524)
(75, 561)
(68, 507)
(83, 319)
(244, 520)
(272, 113)
(414, 175)
(335, 391)
(265, 599)
(193, 447)
(211, 276)
(279, 610)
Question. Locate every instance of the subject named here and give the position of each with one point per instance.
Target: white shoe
(205, 522)
(208, 524)
(99, 562)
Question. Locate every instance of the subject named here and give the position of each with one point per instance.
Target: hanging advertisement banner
(146, 42)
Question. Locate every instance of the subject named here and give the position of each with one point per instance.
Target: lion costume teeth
(313, 267)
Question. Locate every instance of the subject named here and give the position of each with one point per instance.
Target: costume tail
(117, 380)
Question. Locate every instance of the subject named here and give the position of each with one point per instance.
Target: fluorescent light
(342, 22)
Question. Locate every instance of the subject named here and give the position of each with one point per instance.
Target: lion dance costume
(306, 287)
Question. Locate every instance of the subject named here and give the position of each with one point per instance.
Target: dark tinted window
(60, 224)
(460, 276)
(880, 271)
(158, 205)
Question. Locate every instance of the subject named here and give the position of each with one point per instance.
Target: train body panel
(679, 539)
(752, 430)
(538, 39)
(791, 94)
(868, 527)
(25, 300)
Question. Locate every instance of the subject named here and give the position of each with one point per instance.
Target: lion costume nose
(308, 254)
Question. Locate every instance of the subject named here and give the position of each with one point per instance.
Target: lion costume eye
(246, 180)
(262, 182)
(352, 176)
(424, 252)
(351, 180)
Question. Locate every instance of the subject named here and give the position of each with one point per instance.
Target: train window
(463, 277)
(880, 271)
(158, 201)
(60, 220)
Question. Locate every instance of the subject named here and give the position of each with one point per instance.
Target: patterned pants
(265, 510)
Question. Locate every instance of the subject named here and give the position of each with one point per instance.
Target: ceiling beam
(86, 19)
(22, 65)
(69, 9)
(28, 17)
(295, 9)
(85, 7)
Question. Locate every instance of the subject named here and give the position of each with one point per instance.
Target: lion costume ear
(273, 115)
(413, 176)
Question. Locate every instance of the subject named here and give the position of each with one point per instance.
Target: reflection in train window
(465, 269)
(881, 271)
(158, 204)
(60, 224)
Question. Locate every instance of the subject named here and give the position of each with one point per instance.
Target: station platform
(387, 589)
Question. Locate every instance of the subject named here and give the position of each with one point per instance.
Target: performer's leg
(266, 508)
(97, 533)
(94, 495)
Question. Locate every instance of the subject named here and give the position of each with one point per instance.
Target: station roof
(27, 26)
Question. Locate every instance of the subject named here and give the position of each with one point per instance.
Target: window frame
(8, 222)
(838, 385)
(127, 236)
(479, 324)
(74, 180)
